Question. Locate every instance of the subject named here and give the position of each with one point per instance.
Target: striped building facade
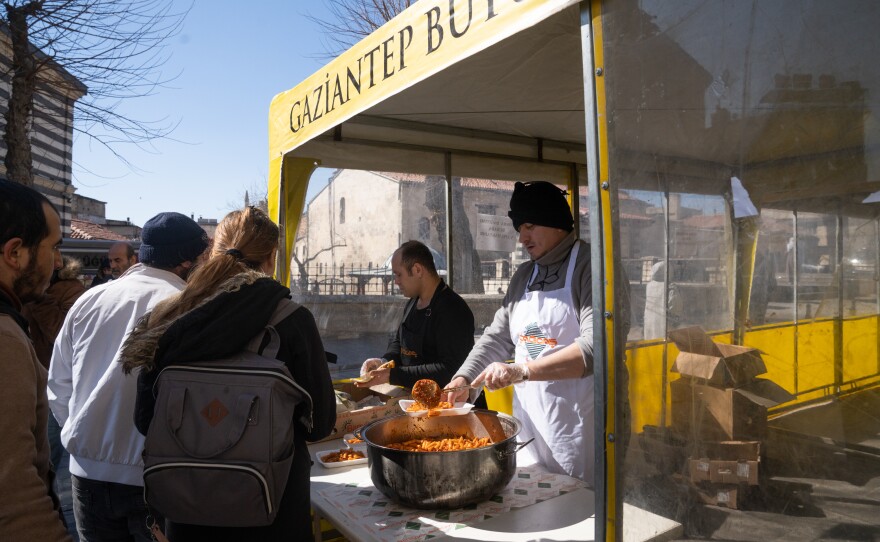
(51, 132)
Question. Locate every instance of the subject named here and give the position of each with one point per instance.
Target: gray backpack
(219, 448)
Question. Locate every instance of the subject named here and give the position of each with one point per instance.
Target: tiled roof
(630, 216)
(474, 182)
(715, 221)
(81, 229)
(471, 182)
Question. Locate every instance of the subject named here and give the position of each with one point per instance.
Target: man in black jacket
(437, 331)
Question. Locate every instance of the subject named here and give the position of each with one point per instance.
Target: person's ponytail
(244, 239)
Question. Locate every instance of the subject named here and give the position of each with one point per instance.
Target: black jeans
(109, 512)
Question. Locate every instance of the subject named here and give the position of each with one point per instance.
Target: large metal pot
(442, 479)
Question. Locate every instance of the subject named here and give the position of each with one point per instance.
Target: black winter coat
(221, 327)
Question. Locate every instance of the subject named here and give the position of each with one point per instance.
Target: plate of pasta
(416, 409)
(344, 457)
(353, 442)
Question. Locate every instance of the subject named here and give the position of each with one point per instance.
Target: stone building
(360, 217)
(51, 130)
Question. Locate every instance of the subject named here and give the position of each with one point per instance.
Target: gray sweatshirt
(496, 345)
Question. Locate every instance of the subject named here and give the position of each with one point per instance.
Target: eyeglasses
(549, 278)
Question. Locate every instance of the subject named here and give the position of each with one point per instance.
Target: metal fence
(343, 279)
(357, 279)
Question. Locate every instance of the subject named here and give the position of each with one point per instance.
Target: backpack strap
(285, 308)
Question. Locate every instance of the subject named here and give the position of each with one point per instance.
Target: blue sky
(232, 58)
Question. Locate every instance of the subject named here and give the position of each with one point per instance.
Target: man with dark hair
(94, 400)
(437, 330)
(121, 256)
(30, 237)
(546, 323)
(104, 273)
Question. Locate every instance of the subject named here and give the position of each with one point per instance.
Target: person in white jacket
(94, 401)
(663, 306)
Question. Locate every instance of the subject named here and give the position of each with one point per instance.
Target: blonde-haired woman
(228, 301)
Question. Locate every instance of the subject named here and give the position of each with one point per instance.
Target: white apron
(557, 413)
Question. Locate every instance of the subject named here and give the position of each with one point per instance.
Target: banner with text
(495, 233)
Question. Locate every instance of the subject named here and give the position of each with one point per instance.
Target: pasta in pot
(441, 444)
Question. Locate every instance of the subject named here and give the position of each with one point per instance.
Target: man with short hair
(30, 240)
(94, 400)
(437, 330)
(122, 256)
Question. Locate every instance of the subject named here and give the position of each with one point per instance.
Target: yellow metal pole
(602, 232)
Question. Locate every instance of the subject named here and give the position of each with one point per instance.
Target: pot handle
(519, 446)
(357, 433)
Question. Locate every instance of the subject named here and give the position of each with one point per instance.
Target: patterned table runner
(365, 505)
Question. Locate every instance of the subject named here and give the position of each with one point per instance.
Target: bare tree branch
(116, 48)
(352, 20)
(349, 22)
(302, 266)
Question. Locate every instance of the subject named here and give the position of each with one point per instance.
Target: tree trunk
(466, 260)
(19, 167)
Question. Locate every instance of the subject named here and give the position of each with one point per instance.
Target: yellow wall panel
(859, 348)
(645, 366)
(814, 367)
(815, 361)
(777, 350)
(500, 400)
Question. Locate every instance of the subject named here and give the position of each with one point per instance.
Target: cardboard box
(732, 450)
(663, 449)
(724, 472)
(722, 495)
(698, 470)
(705, 412)
(734, 472)
(348, 421)
(719, 364)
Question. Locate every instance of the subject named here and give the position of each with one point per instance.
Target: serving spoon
(429, 393)
(465, 387)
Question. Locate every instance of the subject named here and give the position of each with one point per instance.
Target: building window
(342, 210)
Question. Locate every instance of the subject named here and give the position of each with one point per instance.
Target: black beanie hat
(542, 204)
(169, 239)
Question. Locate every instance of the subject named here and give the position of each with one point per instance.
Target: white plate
(337, 464)
(361, 446)
(458, 410)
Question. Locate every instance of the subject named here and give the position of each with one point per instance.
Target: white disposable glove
(500, 375)
(371, 364)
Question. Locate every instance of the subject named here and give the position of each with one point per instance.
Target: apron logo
(535, 340)
(407, 352)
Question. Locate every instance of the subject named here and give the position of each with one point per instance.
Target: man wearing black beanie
(546, 325)
(94, 400)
